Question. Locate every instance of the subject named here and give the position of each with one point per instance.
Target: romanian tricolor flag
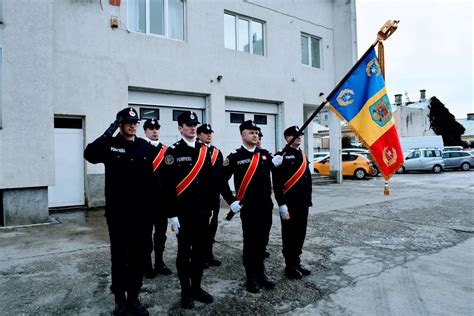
(361, 99)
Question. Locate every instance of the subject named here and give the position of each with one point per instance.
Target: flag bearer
(251, 167)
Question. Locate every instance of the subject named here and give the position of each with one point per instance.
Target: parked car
(352, 165)
(319, 154)
(423, 159)
(458, 160)
(366, 154)
(452, 148)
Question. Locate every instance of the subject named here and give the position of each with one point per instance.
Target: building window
(157, 17)
(177, 113)
(237, 117)
(146, 113)
(260, 119)
(311, 51)
(244, 34)
(63, 122)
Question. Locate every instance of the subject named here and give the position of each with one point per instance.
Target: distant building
(468, 124)
(412, 118)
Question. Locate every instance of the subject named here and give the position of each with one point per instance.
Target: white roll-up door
(264, 114)
(166, 108)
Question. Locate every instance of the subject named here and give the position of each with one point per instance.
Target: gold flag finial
(387, 30)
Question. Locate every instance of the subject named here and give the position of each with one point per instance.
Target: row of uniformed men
(147, 182)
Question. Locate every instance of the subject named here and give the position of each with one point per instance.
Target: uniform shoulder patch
(169, 159)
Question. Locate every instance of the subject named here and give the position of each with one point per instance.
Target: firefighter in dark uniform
(128, 172)
(251, 167)
(188, 176)
(292, 186)
(204, 134)
(160, 218)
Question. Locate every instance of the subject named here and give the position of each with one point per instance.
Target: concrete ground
(409, 253)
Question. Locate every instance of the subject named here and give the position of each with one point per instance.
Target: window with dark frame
(147, 113)
(260, 119)
(237, 117)
(177, 113)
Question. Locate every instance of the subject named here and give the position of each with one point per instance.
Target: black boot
(135, 307)
(187, 301)
(197, 292)
(120, 305)
(160, 266)
(303, 270)
(263, 280)
(292, 273)
(202, 296)
(251, 284)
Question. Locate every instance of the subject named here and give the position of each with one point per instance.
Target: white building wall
(62, 58)
(413, 121)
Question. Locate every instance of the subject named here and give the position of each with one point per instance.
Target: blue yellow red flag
(361, 100)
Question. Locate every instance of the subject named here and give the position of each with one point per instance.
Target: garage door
(69, 164)
(264, 114)
(166, 108)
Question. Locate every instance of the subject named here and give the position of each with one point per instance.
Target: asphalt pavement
(408, 253)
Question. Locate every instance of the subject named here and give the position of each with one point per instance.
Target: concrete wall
(25, 206)
(62, 58)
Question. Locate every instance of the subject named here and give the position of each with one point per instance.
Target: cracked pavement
(409, 253)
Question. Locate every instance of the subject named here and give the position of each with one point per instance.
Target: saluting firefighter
(251, 167)
(292, 186)
(128, 169)
(188, 176)
(204, 134)
(160, 216)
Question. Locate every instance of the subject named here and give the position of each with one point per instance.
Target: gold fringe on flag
(381, 58)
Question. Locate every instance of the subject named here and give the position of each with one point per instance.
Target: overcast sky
(432, 48)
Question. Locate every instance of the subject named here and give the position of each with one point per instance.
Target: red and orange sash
(298, 174)
(159, 158)
(184, 184)
(214, 155)
(248, 176)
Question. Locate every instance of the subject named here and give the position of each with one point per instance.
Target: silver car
(423, 159)
(458, 160)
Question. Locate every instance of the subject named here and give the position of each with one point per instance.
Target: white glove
(174, 223)
(235, 207)
(284, 212)
(277, 160)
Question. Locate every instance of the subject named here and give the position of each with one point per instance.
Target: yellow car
(353, 164)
